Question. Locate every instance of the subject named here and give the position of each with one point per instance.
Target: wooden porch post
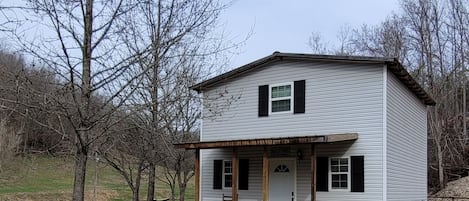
(313, 172)
(265, 171)
(197, 175)
(234, 179)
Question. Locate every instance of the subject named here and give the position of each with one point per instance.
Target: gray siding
(255, 174)
(340, 98)
(406, 144)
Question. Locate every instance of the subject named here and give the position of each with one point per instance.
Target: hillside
(45, 178)
(459, 190)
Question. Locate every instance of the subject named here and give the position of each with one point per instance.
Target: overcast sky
(285, 26)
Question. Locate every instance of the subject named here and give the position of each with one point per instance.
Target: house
(313, 127)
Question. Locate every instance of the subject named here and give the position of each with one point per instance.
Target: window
(227, 174)
(340, 174)
(339, 169)
(281, 98)
(223, 174)
(281, 168)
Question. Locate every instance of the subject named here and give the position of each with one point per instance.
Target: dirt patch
(455, 191)
(101, 195)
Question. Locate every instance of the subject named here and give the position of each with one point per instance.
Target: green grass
(38, 177)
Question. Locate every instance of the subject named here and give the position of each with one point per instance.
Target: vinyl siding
(340, 98)
(406, 144)
(255, 174)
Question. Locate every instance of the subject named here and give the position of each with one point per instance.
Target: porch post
(234, 179)
(313, 172)
(265, 169)
(197, 175)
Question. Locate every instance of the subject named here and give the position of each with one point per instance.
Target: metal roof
(393, 65)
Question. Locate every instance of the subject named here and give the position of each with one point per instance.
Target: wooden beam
(197, 175)
(265, 174)
(271, 141)
(313, 172)
(234, 179)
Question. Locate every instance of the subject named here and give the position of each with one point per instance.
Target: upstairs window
(281, 98)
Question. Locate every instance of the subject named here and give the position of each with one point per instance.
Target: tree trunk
(182, 191)
(82, 137)
(151, 182)
(80, 172)
(135, 195)
(441, 174)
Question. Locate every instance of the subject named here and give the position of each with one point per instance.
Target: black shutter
(263, 101)
(322, 174)
(299, 97)
(217, 174)
(243, 174)
(358, 176)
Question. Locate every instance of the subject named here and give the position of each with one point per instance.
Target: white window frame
(292, 91)
(347, 173)
(224, 173)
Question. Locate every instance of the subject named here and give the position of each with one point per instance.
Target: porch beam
(313, 172)
(234, 178)
(197, 175)
(265, 171)
(271, 141)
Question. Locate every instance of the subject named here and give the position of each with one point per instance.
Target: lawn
(38, 177)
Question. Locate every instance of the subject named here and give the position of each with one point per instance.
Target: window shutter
(263, 101)
(357, 174)
(322, 173)
(243, 174)
(299, 97)
(217, 174)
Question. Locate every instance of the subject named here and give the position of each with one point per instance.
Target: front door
(282, 173)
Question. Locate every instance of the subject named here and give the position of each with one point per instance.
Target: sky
(286, 25)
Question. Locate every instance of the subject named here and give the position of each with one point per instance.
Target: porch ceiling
(271, 141)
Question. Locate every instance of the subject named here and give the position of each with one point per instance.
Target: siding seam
(384, 159)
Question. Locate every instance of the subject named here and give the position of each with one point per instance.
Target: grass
(38, 177)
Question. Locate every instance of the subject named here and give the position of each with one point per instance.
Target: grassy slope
(51, 178)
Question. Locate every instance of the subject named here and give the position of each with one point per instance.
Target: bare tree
(79, 42)
(317, 44)
(125, 153)
(171, 33)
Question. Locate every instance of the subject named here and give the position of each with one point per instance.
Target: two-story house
(313, 127)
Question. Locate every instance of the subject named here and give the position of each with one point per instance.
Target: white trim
(292, 93)
(385, 136)
(201, 96)
(224, 174)
(329, 175)
(294, 174)
(200, 172)
(201, 150)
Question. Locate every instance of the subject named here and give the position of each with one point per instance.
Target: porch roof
(270, 141)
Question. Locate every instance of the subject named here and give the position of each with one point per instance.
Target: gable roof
(393, 65)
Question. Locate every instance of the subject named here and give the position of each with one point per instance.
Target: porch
(286, 150)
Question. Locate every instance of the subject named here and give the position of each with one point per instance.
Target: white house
(313, 127)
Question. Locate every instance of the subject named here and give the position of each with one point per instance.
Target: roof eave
(401, 73)
(233, 73)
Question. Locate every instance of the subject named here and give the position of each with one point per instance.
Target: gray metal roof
(393, 65)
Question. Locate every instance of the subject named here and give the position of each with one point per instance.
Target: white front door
(282, 173)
